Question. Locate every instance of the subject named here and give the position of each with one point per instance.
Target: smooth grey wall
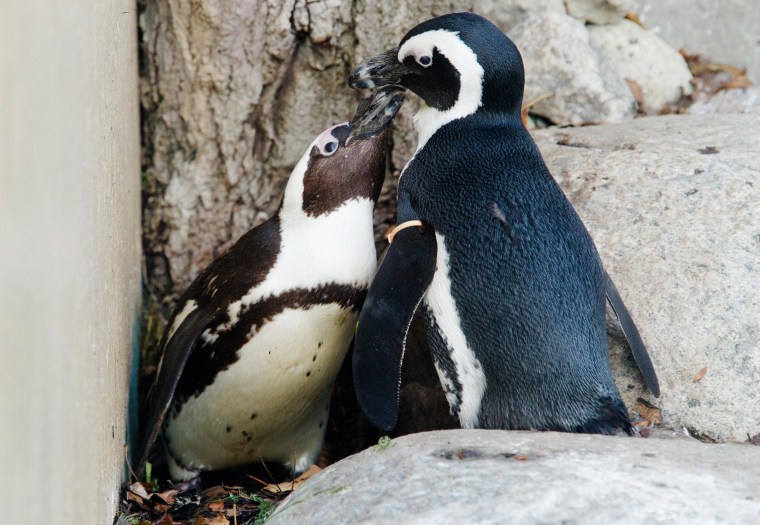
(69, 255)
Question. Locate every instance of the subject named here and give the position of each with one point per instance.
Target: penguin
(250, 353)
(508, 279)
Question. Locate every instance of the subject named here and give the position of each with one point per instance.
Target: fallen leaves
(217, 505)
(650, 414)
(711, 77)
(289, 486)
(699, 375)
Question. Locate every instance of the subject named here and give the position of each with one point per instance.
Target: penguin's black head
(458, 64)
(345, 162)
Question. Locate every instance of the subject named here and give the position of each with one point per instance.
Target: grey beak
(380, 70)
(375, 113)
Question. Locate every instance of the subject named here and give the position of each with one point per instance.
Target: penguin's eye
(328, 147)
(425, 60)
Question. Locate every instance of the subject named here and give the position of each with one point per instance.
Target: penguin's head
(345, 162)
(458, 64)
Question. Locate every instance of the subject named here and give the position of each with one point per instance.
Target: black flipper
(393, 297)
(640, 354)
(175, 355)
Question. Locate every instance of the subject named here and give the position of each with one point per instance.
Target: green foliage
(149, 479)
(265, 506)
(383, 443)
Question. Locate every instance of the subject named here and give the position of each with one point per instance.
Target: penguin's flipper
(176, 352)
(393, 297)
(640, 354)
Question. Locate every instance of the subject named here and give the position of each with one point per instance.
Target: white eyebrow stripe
(428, 120)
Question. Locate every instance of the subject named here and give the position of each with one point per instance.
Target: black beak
(375, 113)
(380, 70)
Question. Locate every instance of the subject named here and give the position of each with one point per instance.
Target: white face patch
(428, 120)
(468, 368)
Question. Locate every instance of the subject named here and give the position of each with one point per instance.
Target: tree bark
(232, 93)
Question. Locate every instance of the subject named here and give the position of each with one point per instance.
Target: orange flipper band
(402, 226)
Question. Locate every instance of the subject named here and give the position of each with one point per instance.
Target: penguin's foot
(181, 475)
(188, 484)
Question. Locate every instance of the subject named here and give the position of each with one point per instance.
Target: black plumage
(527, 284)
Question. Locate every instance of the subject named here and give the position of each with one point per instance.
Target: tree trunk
(232, 93)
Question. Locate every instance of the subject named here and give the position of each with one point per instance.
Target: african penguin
(511, 285)
(250, 354)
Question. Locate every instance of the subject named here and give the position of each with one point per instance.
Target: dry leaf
(219, 519)
(168, 496)
(216, 506)
(642, 423)
(217, 492)
(699, 375)
(637, 92)
(532, 102)
(287, 486)
(139, 489)
(633, 17)
(520, 457)
(131, 496)
(648, 411)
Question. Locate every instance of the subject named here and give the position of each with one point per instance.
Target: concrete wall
(722, 30)
(69, 255)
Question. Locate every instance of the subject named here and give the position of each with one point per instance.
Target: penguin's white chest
(465, 386)
(273, 401)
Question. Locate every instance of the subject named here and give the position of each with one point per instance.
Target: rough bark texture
(232, 93)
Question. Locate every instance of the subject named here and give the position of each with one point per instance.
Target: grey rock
(598, 11)
(729, 101)
(725, 31)
(673, 204)
(500, 477)
(639, 55)
(508, 13)
(560, 61)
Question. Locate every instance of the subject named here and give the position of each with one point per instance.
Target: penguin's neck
(342, 236)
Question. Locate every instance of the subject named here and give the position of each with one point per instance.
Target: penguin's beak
(375, 113)
(380, 70)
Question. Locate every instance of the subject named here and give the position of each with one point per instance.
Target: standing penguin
(251, 352)
(511, 285)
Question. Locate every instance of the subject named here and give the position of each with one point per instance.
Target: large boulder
(645, 58)
(500, 477)
(508, 13)
(745, 100)
(673, 204)
(723, 31)
(561, 64)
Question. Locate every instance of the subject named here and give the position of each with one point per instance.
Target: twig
(126, 459)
